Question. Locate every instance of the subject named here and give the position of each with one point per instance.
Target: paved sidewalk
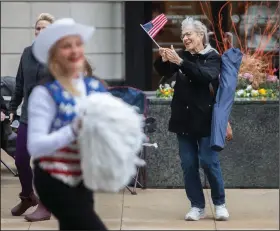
(155, 209)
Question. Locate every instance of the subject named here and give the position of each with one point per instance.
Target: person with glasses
(197, 70)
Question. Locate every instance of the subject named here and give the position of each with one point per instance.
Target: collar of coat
(207, 49)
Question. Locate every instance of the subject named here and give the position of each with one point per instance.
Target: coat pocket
(200, 117)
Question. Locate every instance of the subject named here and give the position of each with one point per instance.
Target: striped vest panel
(65, 165)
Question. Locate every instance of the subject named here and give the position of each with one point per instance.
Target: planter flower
(249, 92)
(268, 88)
(165, 91)
(254, 82)
(262, 92)
(255, 93)
(271, 78)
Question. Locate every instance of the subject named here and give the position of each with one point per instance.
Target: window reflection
(251, 26)
(257, 24)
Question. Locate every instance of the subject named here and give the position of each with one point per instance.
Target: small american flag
(154, 26)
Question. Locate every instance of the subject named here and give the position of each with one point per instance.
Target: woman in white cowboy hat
(53, 129)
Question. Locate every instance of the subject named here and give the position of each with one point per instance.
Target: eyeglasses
(188, 34)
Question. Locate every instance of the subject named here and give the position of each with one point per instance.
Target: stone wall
(250, 160)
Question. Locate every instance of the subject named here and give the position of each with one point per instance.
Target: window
(250, 25)
(255, 29)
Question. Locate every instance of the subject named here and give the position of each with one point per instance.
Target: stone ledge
(251, 160)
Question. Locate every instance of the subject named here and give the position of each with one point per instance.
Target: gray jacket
(30, 72)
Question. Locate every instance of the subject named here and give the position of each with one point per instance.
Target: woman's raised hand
(172, 55)
(162, 52)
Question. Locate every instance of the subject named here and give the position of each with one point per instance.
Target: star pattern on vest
(68, 109)
(94, 84)
(66, 95)
(76, 109)
(54, 87)
(58, 123)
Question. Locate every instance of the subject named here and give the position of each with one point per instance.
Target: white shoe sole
(222, 218)
(193, 219)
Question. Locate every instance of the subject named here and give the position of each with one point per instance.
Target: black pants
(72, 206)
(4, 138)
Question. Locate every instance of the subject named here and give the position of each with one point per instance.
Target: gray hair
(198, 26)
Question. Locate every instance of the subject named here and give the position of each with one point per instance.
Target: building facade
(105, 51)
(251, 26)
(121, 51)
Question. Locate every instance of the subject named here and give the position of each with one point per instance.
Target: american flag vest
(65, 165)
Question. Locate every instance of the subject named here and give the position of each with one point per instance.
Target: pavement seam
(122, 210)
(212, 211)
(29, 225)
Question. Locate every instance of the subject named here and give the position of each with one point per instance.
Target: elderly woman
(197, 70)
(29, 74)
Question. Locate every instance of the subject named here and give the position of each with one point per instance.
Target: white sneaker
(221, 213)
(195, 214)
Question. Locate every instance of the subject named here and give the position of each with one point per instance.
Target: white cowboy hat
(54, 32)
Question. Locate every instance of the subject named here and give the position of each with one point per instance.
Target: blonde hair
(45, 17)
(89, 73)
(198, 27)
(88, 69)
(59, 73)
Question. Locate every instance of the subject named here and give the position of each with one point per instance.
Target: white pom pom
(110, 140)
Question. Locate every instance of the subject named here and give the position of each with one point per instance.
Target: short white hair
(198, 26)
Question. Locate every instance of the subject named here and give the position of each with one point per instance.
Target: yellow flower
(262, 91)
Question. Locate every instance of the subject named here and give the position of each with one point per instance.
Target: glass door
(176, 12)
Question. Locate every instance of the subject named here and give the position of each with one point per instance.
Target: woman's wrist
(179, 62)
(164, 59)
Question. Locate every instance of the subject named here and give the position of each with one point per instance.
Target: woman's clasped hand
(169, 54)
